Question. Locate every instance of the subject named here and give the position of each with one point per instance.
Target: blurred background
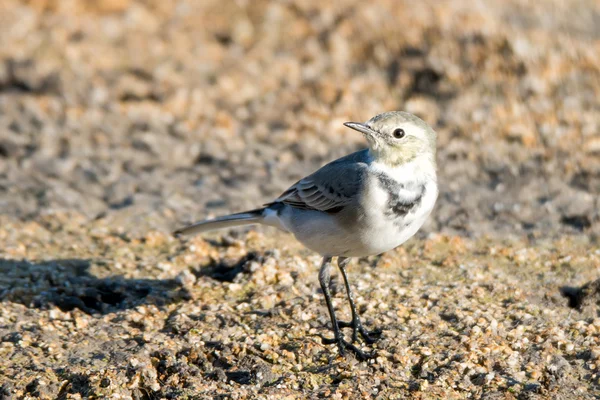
(149, 114)
(121, 120)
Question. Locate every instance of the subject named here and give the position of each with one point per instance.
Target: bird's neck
(421, 169)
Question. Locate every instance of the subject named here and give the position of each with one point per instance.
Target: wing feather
(331, 188)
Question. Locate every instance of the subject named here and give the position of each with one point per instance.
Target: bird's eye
(399, 133)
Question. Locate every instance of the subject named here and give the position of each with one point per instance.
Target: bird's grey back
(346, 174)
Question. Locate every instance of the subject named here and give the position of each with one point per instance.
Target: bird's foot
(343, 345)
(369, 337)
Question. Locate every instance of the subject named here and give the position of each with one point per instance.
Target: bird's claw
(369, 337)
(343, 345)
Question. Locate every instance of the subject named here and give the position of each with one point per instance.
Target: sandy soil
(122, 120)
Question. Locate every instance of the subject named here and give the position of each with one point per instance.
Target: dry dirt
(121, 120)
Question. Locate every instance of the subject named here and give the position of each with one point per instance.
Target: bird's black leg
(324, 280)
(355, 324)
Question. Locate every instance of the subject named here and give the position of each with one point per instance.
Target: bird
(363, 204)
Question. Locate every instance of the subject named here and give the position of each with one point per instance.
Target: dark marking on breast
(389, 184)
(399, 207)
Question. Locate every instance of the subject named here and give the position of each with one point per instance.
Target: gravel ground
(121, 120)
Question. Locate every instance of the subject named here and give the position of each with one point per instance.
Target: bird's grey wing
(329, 189)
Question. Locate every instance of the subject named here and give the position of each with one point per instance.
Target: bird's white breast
(383, 230)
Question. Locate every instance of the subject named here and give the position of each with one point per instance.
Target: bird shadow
(224, 270)
(583, 298)
(68, 285)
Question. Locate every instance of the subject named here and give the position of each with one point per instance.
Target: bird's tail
(226, 221)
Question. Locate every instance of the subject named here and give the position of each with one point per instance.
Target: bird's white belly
(319, 232)
(386, 236)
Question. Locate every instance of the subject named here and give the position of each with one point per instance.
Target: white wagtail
(362, 204)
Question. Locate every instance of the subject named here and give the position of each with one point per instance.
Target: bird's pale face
(396, 137)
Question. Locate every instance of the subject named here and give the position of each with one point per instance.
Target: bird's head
(397, 137)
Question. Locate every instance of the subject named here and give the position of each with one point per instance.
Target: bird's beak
(362, 128)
